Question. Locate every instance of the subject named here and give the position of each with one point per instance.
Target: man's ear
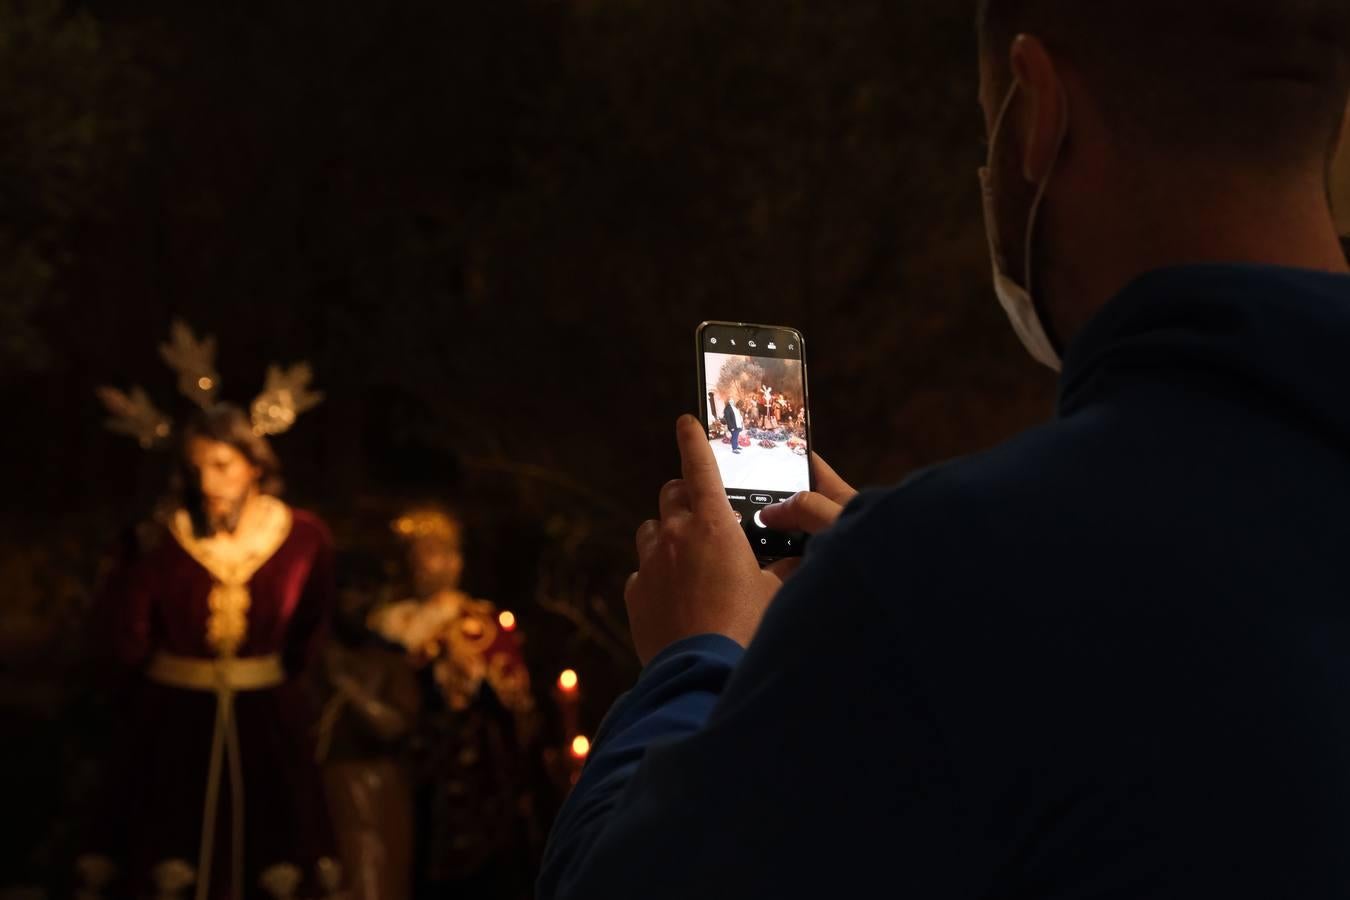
(1043, 112)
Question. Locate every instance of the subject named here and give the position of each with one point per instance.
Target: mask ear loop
(986, 177)
(1340, 143)
(998, 122)
(1338, 146)
(1034, 215)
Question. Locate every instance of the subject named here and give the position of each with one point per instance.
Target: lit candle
(567, 692)
(507, 620)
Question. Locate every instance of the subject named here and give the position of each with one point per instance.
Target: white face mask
(1015, 298)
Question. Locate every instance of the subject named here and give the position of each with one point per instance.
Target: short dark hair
(1263, 82)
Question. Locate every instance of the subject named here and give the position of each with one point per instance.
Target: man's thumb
(808, 511)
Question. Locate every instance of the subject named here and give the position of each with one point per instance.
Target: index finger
(702, 479)
(828, 481)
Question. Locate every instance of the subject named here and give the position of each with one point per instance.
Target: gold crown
(417, 524)
(284, 397)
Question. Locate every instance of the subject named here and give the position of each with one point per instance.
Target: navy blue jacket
(1108, 659)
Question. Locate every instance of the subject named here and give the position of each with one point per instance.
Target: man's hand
(810, 511)
(697, 573)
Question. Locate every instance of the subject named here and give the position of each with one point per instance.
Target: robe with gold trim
(159, 603)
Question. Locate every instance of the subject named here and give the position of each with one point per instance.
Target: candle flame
(581, 745)
(507, 620)
(568, 680)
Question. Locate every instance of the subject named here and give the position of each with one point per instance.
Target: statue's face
(226, 479)
(437, 565)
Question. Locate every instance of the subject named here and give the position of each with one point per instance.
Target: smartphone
(753, 396)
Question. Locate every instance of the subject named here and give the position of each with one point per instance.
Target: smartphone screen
(752, 382)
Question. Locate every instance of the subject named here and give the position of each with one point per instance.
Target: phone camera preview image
(755, 408)
(756, 424)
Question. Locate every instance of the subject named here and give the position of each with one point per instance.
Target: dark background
(491, 228)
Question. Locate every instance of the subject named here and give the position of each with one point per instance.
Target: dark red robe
(158, 603)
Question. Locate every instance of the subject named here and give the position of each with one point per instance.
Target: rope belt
(224, 677)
